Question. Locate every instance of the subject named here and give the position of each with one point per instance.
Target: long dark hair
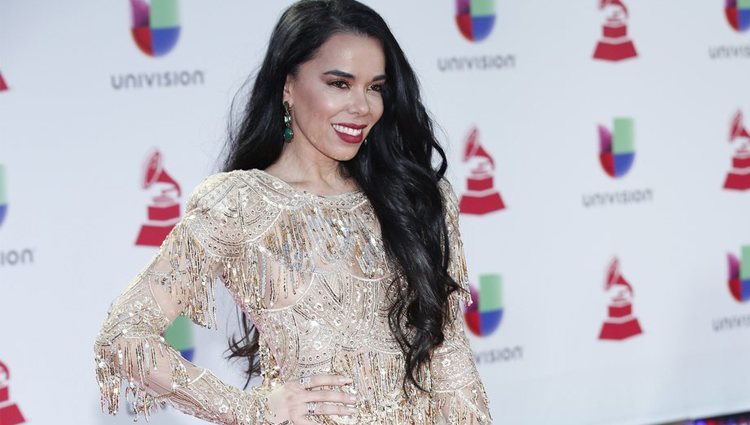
(394, 169)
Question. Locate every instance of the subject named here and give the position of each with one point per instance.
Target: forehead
(357, 54)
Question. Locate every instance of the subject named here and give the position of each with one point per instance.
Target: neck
(304, 166)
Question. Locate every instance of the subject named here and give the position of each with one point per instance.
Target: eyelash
(341, 84)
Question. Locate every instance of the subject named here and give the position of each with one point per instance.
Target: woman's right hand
(296, 401)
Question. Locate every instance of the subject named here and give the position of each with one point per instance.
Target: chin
(345, 154)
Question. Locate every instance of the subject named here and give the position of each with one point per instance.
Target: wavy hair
(394, 169)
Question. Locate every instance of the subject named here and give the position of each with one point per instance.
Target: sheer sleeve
(132, 358)
(457, 390)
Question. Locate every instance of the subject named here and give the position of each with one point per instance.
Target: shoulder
(229, 205)
(450, 200)
(230, 189)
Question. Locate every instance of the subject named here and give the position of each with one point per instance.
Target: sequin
(311, 273)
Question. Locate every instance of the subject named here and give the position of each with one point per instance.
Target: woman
(336, 237)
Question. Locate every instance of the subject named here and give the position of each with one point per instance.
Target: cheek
(378, 108)
(320, 104)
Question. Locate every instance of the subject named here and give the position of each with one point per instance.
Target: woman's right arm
(132, 356)
(208, 243)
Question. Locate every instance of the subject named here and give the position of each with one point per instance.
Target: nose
(359, 103)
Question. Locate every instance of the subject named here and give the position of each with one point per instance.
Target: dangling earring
(288, 132)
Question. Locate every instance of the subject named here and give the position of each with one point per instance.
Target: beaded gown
(311, 273)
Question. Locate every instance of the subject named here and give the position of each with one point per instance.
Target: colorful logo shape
(739, 275)
(156, 25)
(10, 414)
(3, 85)
(738, 178)
(620, 323)
(481, 197)
(738, 14)
(164, 211)
(616, 148)
(3, 195)
(485, 313)
(180, 336)
(475, 18)
(615, 45)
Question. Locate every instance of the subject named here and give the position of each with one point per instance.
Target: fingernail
(351, 411)
(352, 399)
(345, 380)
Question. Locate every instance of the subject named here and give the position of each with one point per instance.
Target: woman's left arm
(457, 390)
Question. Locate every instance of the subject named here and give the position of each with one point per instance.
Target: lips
(349, 133)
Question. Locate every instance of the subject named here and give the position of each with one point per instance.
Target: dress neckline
(285, 187)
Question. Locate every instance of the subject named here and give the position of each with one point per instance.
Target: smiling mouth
(348, 130)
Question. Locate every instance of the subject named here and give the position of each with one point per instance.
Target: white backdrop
(78, 119)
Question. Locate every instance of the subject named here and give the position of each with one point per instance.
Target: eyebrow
(343, 74)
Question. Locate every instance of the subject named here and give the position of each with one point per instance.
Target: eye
(341, 84)
(376, 87)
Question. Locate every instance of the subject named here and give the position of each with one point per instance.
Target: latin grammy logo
(738, 177)
(615, 45)
(481, 196)
(164, 211)
(10, 414)
(620, 323)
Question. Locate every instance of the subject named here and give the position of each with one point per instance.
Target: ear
(288, 89)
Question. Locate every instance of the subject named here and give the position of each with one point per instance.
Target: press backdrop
(599, 150)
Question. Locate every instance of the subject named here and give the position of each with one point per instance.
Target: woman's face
(335, 97)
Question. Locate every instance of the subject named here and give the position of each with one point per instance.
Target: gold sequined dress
(311, 273)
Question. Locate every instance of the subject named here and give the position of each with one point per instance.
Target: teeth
(347, 130)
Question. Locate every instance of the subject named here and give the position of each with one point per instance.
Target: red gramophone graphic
(164, 211)
(615, 45)
(3, 86)
(481, 196)
(738, 177)
(10, 414)
(621, 324)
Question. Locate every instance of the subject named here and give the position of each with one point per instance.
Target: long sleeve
(131, 355)
(457, 390)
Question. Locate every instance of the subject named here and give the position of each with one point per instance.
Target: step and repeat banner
(599, 148)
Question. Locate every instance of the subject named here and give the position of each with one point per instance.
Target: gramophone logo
(481, 197)
(180, 336)
(738, 14)
(164, 211)
(615, 45)
(10, 414)
(3, 85)
(738, 178)
(156, 25)
(616, 148)
(485, 313)
(739, 275)
(620, 323)
(475, 18)
(3, 195)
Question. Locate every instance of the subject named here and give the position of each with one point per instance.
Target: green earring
(288, 132)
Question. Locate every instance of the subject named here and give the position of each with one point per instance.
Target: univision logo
(616, 147)
(738, 14)
(180, 336)
(485, 313)
(3, 195)
(156, 26)
(739, 275)
(475, 18)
